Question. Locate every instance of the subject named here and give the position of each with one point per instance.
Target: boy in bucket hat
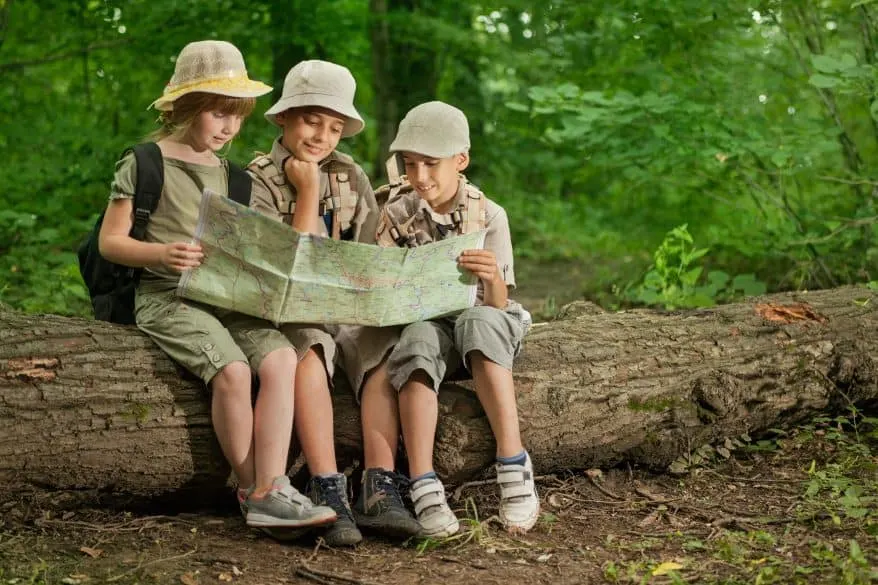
(203, 107)
(403, 375)
(306, 183)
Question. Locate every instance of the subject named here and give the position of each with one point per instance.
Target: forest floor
(800, 507)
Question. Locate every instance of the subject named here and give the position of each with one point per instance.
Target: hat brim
(246, 89)
(423, 147)
(353, 122)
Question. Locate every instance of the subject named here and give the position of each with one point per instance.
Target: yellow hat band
(230, 83)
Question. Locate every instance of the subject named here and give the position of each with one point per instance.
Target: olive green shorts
(305, 336)
(201, 338)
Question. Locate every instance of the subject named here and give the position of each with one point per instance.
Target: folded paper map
(261, 267)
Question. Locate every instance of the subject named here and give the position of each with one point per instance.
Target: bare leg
(273, 416)
(314, 420)
(232, 418)
(379, 411)
(496, 391)
(419, 413)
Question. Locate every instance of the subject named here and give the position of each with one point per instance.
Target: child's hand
(482, 263)
(181, 256)
(303, 175)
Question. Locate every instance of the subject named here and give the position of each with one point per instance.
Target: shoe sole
(265, 521)
(398, 529)
(520, 527)
(449, 530)
(349, 537)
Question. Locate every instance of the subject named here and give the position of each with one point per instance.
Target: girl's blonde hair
(177, 122)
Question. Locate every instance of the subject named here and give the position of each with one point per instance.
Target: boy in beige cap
(202, 109)
(314, 188)
(437, 203)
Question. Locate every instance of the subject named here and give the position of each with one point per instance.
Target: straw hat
(433, 129)
(323, 84)
(209, 67)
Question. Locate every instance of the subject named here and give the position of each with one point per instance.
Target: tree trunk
(89, 406)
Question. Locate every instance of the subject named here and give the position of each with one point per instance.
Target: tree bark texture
(91, 407)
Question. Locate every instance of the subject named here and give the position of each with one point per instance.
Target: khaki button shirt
(365, 216)
(498, 238)
(176, 215)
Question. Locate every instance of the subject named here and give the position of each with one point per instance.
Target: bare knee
(232, 380)
(278, 361)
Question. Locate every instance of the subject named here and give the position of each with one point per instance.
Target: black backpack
(111, 286)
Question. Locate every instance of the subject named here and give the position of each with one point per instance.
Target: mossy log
(96, 409)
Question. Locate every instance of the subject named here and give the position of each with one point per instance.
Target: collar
(445, 218)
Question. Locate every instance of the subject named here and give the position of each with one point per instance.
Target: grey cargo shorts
(439, 347)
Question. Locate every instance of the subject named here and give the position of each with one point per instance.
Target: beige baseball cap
(434, 129)
(323, 84)
(209, 67)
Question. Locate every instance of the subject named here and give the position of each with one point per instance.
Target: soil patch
(766, 515)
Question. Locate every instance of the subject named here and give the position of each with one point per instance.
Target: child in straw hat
(202, 109)
(305, 182)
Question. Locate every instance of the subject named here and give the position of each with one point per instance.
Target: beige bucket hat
(434, 129)
(209, 67)
(323, 84)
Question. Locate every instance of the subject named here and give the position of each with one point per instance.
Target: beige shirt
(498, 238)
(365, 216)
(176, 215)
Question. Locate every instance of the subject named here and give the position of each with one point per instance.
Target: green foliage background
(602, 127)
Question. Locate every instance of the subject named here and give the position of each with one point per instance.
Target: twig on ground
(320, 542)
(460, 562)
(602, 489)
(141, 566)
(752, 479)
(327, 578)
(135, 525)
(300, 572)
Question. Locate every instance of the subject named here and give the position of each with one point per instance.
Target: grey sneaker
(519, 502)
(436, 518)
(333, 492)
(284, 507)
(381, 505)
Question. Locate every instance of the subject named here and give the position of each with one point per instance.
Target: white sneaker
(436, 518)
(519, 502)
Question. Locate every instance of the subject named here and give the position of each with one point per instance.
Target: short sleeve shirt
(176, 215)
(365, 216)
(498, 239)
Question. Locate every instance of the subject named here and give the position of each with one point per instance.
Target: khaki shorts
(437, 346)
(312, 336)
(201, 338)
(362, 349)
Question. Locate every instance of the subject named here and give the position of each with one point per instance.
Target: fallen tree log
(96, 408)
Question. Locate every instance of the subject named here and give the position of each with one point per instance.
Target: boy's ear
(461, 160)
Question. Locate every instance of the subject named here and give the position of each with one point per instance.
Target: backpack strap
(148, 190)
(396, 181)
(266, 171)
(240, 185)
(473, 214)
(342, 199)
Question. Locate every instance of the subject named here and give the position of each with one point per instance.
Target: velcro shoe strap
(512, 475)
(427, 496)
(515, 491)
